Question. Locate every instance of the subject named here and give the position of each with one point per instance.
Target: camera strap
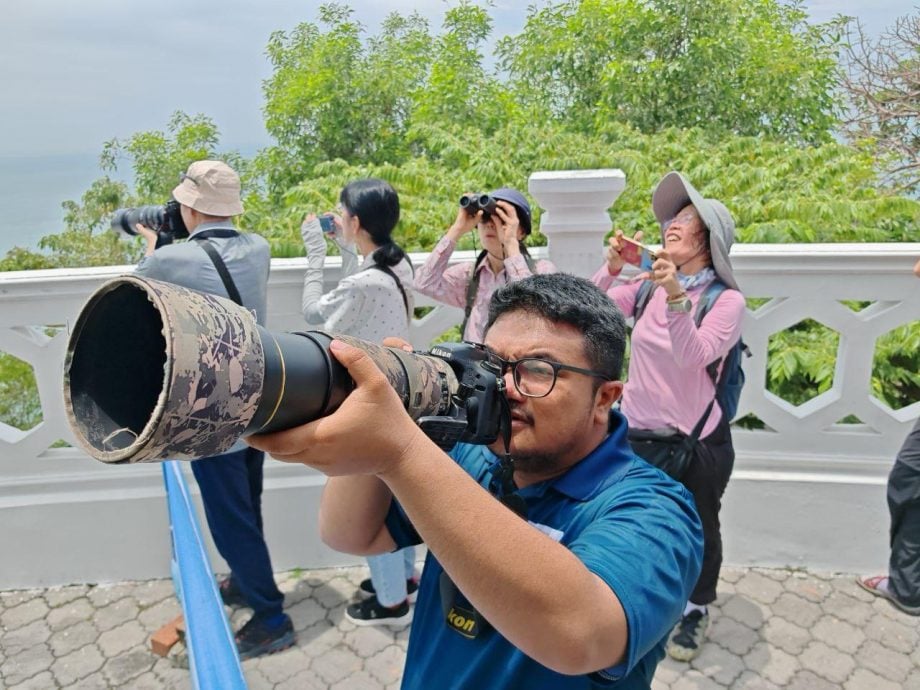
(218, 262)
(472, 288)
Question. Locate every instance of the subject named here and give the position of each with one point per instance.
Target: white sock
(882, 585)
(695, 607)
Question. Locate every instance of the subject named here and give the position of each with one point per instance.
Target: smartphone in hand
(327, 223)
(636, 253)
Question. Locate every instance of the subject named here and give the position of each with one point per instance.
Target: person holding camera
(669, 394)
(220, 260)
(503, 219)
(370, 302)
(561, 564)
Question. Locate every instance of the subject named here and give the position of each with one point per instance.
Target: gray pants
(904, 508)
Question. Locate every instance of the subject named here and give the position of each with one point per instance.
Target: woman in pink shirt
(668, 389)
(504, 259)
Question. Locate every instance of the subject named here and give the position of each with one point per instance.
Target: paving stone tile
(170, 675)
(780, 633)
(35, 633)
(773, 664)
(146, 681)
(883, 661)
(758, 587)
(320, 638)
(359, 681)
(863, 679)
(121, 639)
(368, 641)
(115, 614)
(146, 594)
(23, 613)
(159, 614)
(69, 613)
(103, 595)
(256, 680)
(731, 575)
(838, 634)
(95, 681)
(743, 610)
(669, 670)
(42, 681)
(736, 637)
(123, 668)
(913, 680)
(752, 681)
(386, 667)
(694, 680)
(718, 664)
(74, 637)
(303, 680)
(70, 668)
(26, 663)
(658, 684)
(17, 597)
(306, 613)
(282, 665)
(334, 593)
(809, 588)
(846, 607)
(778, 574)
(795, 609)
(893, 634)
(827, 662)
(336, 665)
(58, 596)
(808, 680)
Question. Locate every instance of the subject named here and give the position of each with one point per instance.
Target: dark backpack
(728, 386)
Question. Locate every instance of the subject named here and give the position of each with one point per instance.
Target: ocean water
(32, 189)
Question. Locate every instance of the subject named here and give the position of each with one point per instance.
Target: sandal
(871, 585)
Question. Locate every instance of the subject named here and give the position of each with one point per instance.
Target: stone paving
(771, 629)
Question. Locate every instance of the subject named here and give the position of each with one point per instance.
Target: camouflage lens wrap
(424, 383)
(211, 377)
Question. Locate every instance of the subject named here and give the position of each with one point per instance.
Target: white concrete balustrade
(806, 492)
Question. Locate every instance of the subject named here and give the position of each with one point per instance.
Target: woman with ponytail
(372, 301)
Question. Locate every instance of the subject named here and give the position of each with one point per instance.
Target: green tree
(744, 66)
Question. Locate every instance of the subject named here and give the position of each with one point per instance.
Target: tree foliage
(882, 81)
(751, 67)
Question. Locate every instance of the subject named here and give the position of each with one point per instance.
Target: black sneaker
(230, 593)
(370, 612)
(689, 635)
(255, 638)
(366, 589)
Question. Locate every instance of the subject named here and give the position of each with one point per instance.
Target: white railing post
(575, 217)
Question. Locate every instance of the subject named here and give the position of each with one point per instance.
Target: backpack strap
(703, 307)
(219, 264)
(642, 299)
(472, 288)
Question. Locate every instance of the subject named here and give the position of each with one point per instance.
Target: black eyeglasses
(535, 377)
(185, 176)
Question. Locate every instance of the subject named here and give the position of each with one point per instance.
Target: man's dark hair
(564, 298)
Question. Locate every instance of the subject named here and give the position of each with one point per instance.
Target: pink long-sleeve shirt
(667, 384)
(448, 284)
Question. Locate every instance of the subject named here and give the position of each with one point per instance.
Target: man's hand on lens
(149, 235)
(368, 434)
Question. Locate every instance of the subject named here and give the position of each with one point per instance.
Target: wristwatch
(680, 304)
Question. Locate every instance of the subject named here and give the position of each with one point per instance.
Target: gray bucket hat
(672, 194)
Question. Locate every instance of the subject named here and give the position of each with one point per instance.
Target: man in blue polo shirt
(579, 586)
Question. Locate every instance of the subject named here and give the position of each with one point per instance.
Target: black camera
(473, 203)
(155, 371)
(165, 220)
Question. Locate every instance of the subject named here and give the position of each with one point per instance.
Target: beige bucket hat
(672, 194)
(210, 187)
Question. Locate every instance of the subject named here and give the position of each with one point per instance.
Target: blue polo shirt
(628, 522)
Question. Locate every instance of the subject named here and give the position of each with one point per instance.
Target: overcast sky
(75, 74)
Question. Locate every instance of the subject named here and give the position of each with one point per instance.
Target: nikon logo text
(463, 624)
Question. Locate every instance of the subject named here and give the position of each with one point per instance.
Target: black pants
(231, 491)
(904, 508)
(706, 479)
